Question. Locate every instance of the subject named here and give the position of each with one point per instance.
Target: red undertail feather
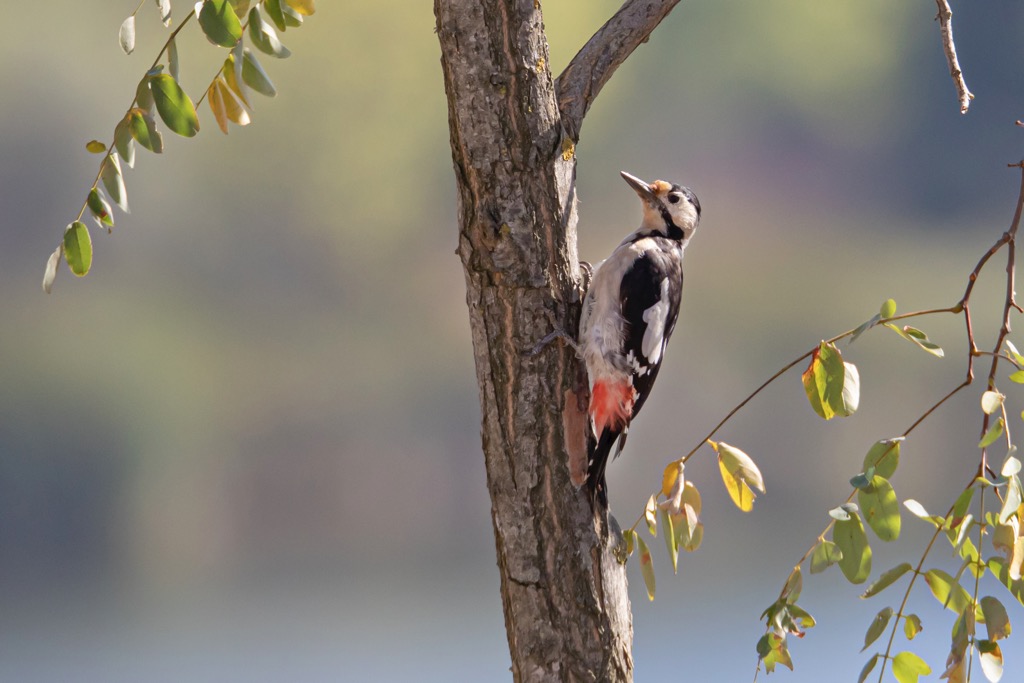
(611, 404)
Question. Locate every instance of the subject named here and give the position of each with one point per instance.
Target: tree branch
(593, 65)
(945, 22)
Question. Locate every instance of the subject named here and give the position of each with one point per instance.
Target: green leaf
(962, 504)
(78, 248)
(853, 542)
(220, 23)
(99, 208)
(993, 433)
(964, 629)
(877, 627)
(1017, 377)
(866, 671)
(255, 77)
(947, 590)
(263, 35)
(843, 512)
(292, 18)
(918, 337)
(912, 626)
(886, 579)
(739, 473)
(825, 554)
(174, 106)
(50, 274)
(918, 511)
(126, 35)
(794, 585)
(173, 61)
(991, 659)
(862, 480)
(273, 8)
(1014, 354)
(646, 565)
(164, 7)
(888, 309)
(143, 95)
(773, 650)
(958, 534)
(1011, 465)
(880, 508)
(240, 6)
(671, 544)
(991, 401)
(825, 381)
(629, 535)
(908, 667)
(95, 147)
(851, 391)
(997, 622)
(113, 181)
(142, 126)
(123, 141)
(1012, 500)
(799, 620)
(864, 327)
(1000, 568)
(884, 456)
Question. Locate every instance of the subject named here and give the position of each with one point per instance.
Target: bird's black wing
(649, 296)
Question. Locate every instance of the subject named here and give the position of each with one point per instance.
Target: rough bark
(563, 581)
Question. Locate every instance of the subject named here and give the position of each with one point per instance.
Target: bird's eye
(674, 198)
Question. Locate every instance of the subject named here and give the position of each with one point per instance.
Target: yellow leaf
(216, 101)
(231, 78)
(651, 515)
(668, 479)
(738, 490)
(672, 485)
(740, 475)
(232, 107)
(646, 566)
(304, 7)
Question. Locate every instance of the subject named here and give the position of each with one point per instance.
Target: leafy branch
(159, 94)
(832, 386)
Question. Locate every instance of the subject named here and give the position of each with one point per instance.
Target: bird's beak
(640, 187)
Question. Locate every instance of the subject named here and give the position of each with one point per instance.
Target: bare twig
(945, 22)
(594, 64)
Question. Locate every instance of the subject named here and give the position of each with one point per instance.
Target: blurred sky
(245, 447)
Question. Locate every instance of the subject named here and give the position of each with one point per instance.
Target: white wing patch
(656, 318)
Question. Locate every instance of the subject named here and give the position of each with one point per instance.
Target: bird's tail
(599, 452)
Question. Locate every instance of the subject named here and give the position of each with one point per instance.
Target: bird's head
(668, 209)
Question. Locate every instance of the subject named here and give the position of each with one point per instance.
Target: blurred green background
(245, 447)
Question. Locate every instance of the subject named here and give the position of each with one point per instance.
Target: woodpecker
(629, 313)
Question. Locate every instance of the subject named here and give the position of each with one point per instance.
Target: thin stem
(803, 357)
(906, 594)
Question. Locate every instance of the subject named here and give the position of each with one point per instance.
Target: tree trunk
(563, 580)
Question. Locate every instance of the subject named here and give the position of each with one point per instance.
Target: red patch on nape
(611, 404)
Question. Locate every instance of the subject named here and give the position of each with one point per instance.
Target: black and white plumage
(629, 313)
